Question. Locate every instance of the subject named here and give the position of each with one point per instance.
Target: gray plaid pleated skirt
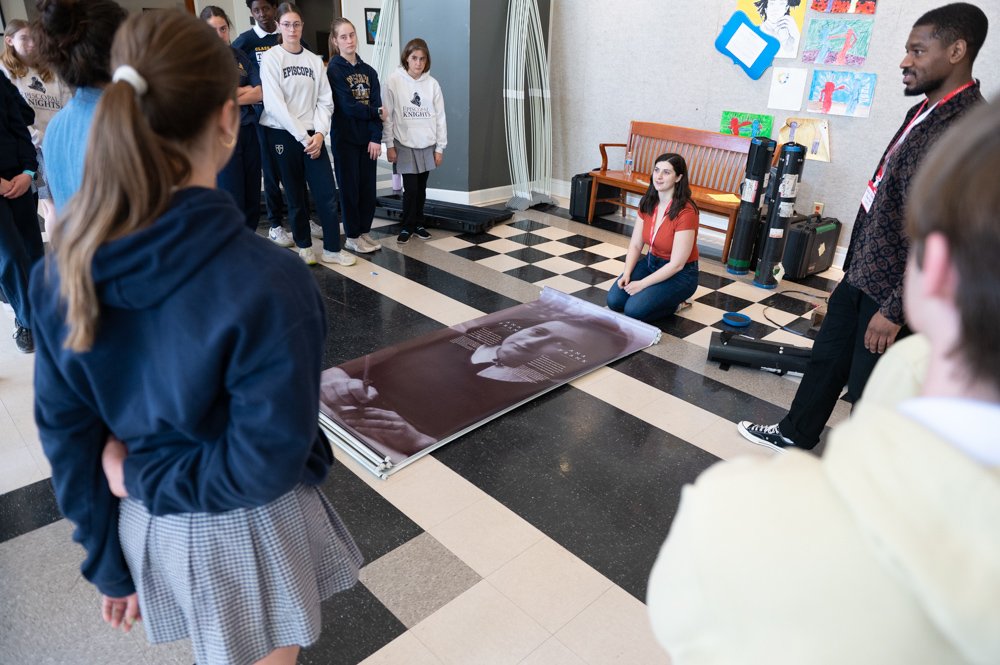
(242, 583)
(413, 160)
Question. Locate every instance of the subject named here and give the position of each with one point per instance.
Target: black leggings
(414, 197)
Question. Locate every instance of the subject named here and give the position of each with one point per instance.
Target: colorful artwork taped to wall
(832, 41)
(844, 6)
(778, 19)
(746, 124)
(813, 133)
(841, 92)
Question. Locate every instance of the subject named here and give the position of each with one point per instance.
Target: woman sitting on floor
(654, 285)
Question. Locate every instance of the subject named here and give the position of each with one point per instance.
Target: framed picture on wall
(371, 24)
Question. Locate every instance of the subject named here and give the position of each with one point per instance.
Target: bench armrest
(604, 153)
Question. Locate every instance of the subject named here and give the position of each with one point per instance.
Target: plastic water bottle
(628, 163)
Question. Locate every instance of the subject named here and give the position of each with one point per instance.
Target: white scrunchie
(128, 74)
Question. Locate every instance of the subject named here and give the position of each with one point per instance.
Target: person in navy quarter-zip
(297, 108)
(415, 131)
(357, 133)
(198, 347)
(241, 176)
(20, 238)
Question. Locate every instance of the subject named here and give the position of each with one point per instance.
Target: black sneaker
(764, 435)
(422, 233)
(23, 338)
(403, 237)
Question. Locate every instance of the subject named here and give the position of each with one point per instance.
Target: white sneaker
(367, 237)
(306, 254)
(359, 245)
(279, 236)
(315, 230)
(340, 258)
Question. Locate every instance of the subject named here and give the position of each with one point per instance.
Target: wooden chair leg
(593, 200)
(729, 236)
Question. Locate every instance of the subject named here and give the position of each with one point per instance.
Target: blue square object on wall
(746, 45)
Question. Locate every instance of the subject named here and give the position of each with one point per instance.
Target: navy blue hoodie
(206, 364)
(357, 97)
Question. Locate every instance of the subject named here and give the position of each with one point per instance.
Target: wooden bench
(716, 166)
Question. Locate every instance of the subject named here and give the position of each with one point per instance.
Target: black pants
(414, 197)
(241, 175)
(20, 247)
(356, 177)
(839, 358)
(272, 184)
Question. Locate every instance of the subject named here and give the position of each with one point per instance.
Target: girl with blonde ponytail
(178, 372)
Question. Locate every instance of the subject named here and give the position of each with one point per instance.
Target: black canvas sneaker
(23, 338)
(768, 436)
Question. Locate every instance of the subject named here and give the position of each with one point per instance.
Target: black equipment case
(449, 216)
(579, 199)
(810, 246)
(728, 348)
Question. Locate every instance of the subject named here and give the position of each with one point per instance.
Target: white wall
(612, 62)
(354, 11)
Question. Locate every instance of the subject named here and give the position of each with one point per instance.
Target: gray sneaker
(367, 237)
(315, 230)
(279, 236)
(359, 245)
(341, 258)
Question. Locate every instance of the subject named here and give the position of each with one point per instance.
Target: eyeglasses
(292, 26)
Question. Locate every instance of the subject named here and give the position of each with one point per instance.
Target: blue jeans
(659, 300)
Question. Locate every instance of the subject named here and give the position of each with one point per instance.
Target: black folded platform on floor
(729, 348)
(449, 216)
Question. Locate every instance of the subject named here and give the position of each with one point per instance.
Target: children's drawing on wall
(844, 6)
(813, 133)
(746, 124)
(837, 41)
(787, 86)
(781, 19)
(836, 92)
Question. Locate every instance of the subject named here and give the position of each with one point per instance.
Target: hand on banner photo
(387, 427)
(338, 389)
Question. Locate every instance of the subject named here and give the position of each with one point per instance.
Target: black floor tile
(592, 294)
(530, 273)
(355, 625)
(378, 527)
(580, 242)
(802, 326)
(589, 276)
(583, 257)
(528, 225)
(678, 326)
(476, 238)
(529, 239)
(816, 282)
(724, 301)
(530, 255)
(711, 281)
(27, 508)
(475, 253)
(615, 225)
(791, 304)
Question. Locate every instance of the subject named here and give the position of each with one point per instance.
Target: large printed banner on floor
(388, 408)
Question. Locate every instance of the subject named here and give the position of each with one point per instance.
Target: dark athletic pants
(356, 177)
(272, 187)
(20, 247)
(414, 197)
(296, 169)
(839, 358)
(241, 175)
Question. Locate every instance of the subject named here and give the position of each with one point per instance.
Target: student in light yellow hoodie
(888, 549)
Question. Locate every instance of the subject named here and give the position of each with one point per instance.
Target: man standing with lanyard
(865, 312)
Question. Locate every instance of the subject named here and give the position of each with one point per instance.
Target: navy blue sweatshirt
(206, 364)
(16, 151)
(357, 97)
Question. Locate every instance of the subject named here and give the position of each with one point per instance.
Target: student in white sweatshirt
(297, 108)
(415, 131)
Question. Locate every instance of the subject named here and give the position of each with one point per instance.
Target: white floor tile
(404, 650)
(502, 263)
(614, 630)
(552, 652)
(480, 627)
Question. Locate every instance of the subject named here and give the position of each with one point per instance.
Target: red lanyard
(918, 117)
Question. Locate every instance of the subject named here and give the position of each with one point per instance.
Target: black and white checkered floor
(586, 268)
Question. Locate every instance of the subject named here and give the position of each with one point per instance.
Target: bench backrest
(716, 161)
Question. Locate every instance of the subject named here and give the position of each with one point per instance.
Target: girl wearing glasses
(297, 108)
